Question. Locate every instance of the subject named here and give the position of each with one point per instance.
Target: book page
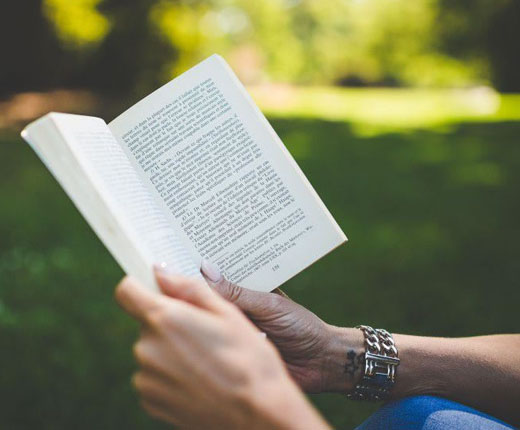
(226, 180)
(106, 188)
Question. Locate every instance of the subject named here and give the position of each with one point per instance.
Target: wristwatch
(381, 361)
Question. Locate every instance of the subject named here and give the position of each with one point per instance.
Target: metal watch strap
(381, 360)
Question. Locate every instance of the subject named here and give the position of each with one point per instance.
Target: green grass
(376, 110)
(432, 214)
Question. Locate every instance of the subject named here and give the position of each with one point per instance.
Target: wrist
(283, 406)
(342, 359)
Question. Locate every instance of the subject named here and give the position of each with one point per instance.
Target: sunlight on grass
(382, 109)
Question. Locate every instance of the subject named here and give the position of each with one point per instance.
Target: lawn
(431, 209)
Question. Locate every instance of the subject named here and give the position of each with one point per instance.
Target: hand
(320, 357)
(204, 365)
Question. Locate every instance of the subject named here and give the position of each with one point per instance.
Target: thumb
(188, 290)
(251, 302)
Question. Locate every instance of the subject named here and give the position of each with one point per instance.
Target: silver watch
(381, 361)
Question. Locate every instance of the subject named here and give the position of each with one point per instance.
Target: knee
(428, 413)
(420, 407)
(409, 413)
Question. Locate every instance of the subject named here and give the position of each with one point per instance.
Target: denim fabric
(430, 413)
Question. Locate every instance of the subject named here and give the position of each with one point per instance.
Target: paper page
(226, 180)
(106, 188)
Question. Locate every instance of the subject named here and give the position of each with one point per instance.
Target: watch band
(381, 361)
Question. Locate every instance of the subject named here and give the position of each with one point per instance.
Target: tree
(486, 31)
(32, 57)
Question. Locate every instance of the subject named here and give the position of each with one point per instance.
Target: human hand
(319, 356)
(203, 364)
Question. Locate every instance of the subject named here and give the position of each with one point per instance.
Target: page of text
(116, 178)
(222, 174)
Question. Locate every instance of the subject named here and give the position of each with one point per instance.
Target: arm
(204, 365)
(482, 372)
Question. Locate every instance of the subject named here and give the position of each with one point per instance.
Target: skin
(204, 365)
(482, 372)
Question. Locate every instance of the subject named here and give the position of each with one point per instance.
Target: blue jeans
(430, 413)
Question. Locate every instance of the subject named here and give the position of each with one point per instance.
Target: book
(192, 171)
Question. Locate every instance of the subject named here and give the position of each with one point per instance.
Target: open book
(192, 171)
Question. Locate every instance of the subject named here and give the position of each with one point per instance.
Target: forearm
(482, 372)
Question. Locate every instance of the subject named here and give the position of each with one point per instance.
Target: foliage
(319, 42)
(431, 214)
(130, 60)
(66, 15)
(487, 30)
(129, 49)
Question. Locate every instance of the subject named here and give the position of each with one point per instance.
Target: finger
(189, 290)
(251, 302)
(135, 299)
(153, 387)
(145, 354)
(158, 411)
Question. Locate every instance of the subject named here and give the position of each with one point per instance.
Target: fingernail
(210, 270)
(161, 268)
(263, 334)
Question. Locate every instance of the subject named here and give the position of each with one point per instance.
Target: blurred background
(403, 114)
